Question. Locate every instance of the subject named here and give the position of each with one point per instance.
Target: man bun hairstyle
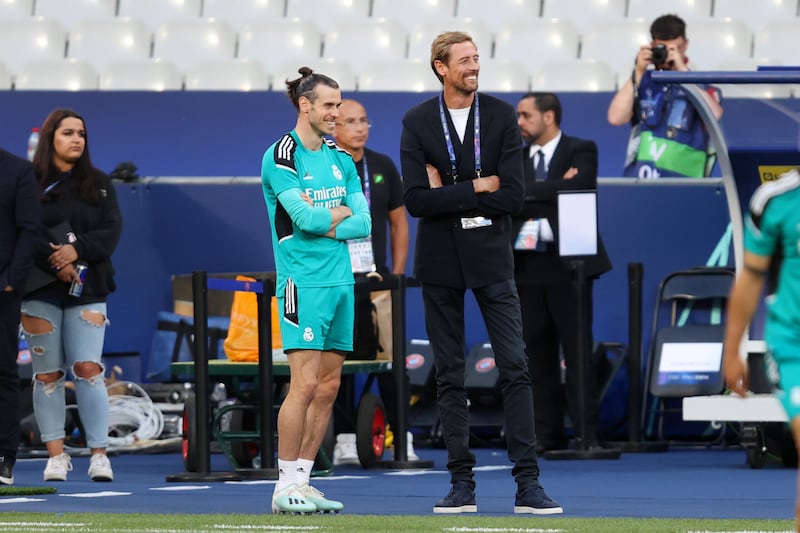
(306, 85)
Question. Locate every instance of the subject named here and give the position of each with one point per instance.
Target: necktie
(541, 173)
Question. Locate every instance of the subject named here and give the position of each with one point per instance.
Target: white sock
(304, 467)
(287, 474)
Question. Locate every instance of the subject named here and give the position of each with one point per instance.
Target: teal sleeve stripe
(315, 220)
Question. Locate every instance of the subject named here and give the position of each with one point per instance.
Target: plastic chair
(57, 75)
(616, 43)
(582, 12)
(422, 35)
(412, 12)
(16, 9)
(361, 42)
(499, 12)
(189, 41)
(718, 40)
(761, 90)
(237, 13)
(145, 75)
(68, 12)
(778, 41)
(403, 75)
(498, 76)
(684, 8)
(154, 13)
(773, 10)
(341, 71)
(23, 41)
(578, 75)
(5, 78)
(297, 40)
(227, 75)
(103, 41)
(537, 42)
(695, 301)
(326, 12)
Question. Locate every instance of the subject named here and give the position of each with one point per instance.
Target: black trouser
(444, 318)
(10, 303)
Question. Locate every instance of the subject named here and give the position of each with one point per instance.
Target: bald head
(352, 128)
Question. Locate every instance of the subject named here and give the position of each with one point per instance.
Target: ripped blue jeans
(72, 339)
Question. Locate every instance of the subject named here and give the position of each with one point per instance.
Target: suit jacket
(446, 253)
(541, 201)
(20, 219)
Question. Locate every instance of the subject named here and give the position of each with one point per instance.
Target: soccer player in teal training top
(315, 204)
(772, 245)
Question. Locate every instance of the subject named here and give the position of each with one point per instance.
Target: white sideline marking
(184, 487)
(266, 528)
(102, 494)
(10, 525)
(503, 530)
(21, 500)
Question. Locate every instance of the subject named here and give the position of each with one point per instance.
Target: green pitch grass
(156, 523)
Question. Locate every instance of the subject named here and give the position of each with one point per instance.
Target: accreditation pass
(475, 222)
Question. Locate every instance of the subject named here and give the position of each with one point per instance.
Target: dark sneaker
(6, 470)
(460, 499)
(533, 500)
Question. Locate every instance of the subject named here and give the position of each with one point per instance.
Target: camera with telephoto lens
(659, 54)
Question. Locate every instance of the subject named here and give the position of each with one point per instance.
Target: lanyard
(476, 141)
(51, 186)
(365, 178)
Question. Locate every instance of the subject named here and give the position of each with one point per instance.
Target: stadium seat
(495, 13)
(498, 76)
(402, 75)
(422, 35)
(102, 41)
(237, 13)
(778, 41)
(765, 90)
(16, 9)
(773, 10)
(25, 40)
(298, 40)
(361, 42)
(648, 9)
(713, 41)
(188, 41)
(5, 77)
(145, 75)
(227, 75)
(57, 75)
(325, 12)
(616, 43)
(154, 13)
(341, 71)
(68, 12)
(412, 12)
(537, 42)
(578, 75)
(583, 12)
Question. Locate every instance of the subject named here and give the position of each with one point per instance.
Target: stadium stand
(237, 13)
(57, 75)
(69, 12)
(102, 42)
(154, 13)
(582, 12)
(421, 36)
(144, 75)
(227, 75)
(686, 9)
(401, 75)
(189, 41)
(577, 75)
(298, 39)
(534, 43)
(411, 12)
(616, 43)
(339, 70)
(361, 42)
(33, 39)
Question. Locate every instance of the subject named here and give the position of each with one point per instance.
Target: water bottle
(33, 142)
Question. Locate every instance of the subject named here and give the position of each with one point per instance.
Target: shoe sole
(276, 510)
(55, 478)
(6, 480)
(519, 509)
(456, 510)
(103, 479)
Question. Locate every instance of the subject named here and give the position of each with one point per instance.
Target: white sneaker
(100, 468)
(345, 451)
(57, 467)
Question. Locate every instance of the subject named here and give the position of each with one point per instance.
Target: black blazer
(446, 254)
(20, 219)
(541, 199)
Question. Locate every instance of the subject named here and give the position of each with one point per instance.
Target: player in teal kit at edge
(315, 204)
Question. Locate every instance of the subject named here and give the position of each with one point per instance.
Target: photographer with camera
(668, 137)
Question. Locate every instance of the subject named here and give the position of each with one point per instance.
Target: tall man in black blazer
(462, 168)
(19, 231)
(553, 162)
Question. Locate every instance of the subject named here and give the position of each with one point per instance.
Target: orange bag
(241, 344)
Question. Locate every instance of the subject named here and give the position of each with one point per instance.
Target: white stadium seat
(68, 12)
(5, 77)
(32, 39)
(574, 76)
(227, 75)
(341, 71)
(297, 40)
(772, 10)
(503, 76)
(650, 9)
(57, 75)
(537, 42)
(765, 90)
(778, 41)
(15, 8)
(188, 41)
(103, 41)
(237, 13)
(713, 41)
(412, 12)
(326, 12)
(495, 13)
(583, 12)
(422, 35)
(402, 75)
(154, 13)
(616, 43)
(145, 75)
(361, 42)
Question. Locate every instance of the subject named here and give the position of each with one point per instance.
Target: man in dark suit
(553, 162)
(462, 168)
(19, 228)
